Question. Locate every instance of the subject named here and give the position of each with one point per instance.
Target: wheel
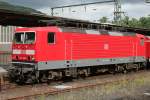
(112, 70)
(125, 71)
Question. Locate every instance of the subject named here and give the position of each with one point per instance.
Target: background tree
(143, 22)
(125, 21)
(103, 20)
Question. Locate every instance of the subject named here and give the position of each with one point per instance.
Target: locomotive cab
(24, 46)
(23, 56)
(29, 50)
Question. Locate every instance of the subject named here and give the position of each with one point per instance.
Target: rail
(101, 81)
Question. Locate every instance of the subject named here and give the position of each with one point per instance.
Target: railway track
(77, 84)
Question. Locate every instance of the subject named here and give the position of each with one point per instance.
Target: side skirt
(47, 65)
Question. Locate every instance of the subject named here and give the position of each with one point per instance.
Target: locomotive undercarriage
(29, 74)
(23, 73)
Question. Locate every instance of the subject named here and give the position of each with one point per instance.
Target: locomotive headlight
(15, 51)
(30, 52)
(33, 58)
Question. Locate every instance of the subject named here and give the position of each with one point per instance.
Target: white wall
(6, 37)
(6, 34)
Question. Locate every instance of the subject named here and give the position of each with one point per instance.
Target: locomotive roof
(77, 30)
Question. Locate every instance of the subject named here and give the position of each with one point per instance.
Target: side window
(142, 41)
(51, 37)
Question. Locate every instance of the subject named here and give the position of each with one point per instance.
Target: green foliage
(103, 20)
(143, 22)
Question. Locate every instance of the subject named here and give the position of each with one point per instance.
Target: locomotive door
(147, 49)
(134, 48)
(68, 53)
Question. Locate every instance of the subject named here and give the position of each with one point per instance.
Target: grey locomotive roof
(95, 31)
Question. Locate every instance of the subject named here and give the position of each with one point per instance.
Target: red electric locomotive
(47, 53)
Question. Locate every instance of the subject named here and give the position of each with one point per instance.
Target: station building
(6, 37)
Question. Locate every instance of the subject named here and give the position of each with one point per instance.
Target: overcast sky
(132, 8)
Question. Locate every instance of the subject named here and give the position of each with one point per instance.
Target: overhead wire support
(76, 5)
(117, 8)
(118, 12)
(83, 4)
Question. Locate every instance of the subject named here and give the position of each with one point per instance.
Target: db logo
(106, 46)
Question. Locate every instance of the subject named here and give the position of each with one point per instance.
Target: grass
(125, 88)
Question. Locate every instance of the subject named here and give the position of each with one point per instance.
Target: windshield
(19, 37)
(29, 37)
(24, 38)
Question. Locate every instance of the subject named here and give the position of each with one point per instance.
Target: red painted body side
(76, 46)
(147, 42)
(85, 46)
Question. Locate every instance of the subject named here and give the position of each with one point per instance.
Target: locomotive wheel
(112, 70)
(43, 78)
(137, 68)
(125, 71)
(34, 80)
(82, 73)
(20, 80)
(31, 78)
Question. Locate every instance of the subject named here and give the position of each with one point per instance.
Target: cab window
(19, 38)
(51, 37)
(29, 37)
(24, 38)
